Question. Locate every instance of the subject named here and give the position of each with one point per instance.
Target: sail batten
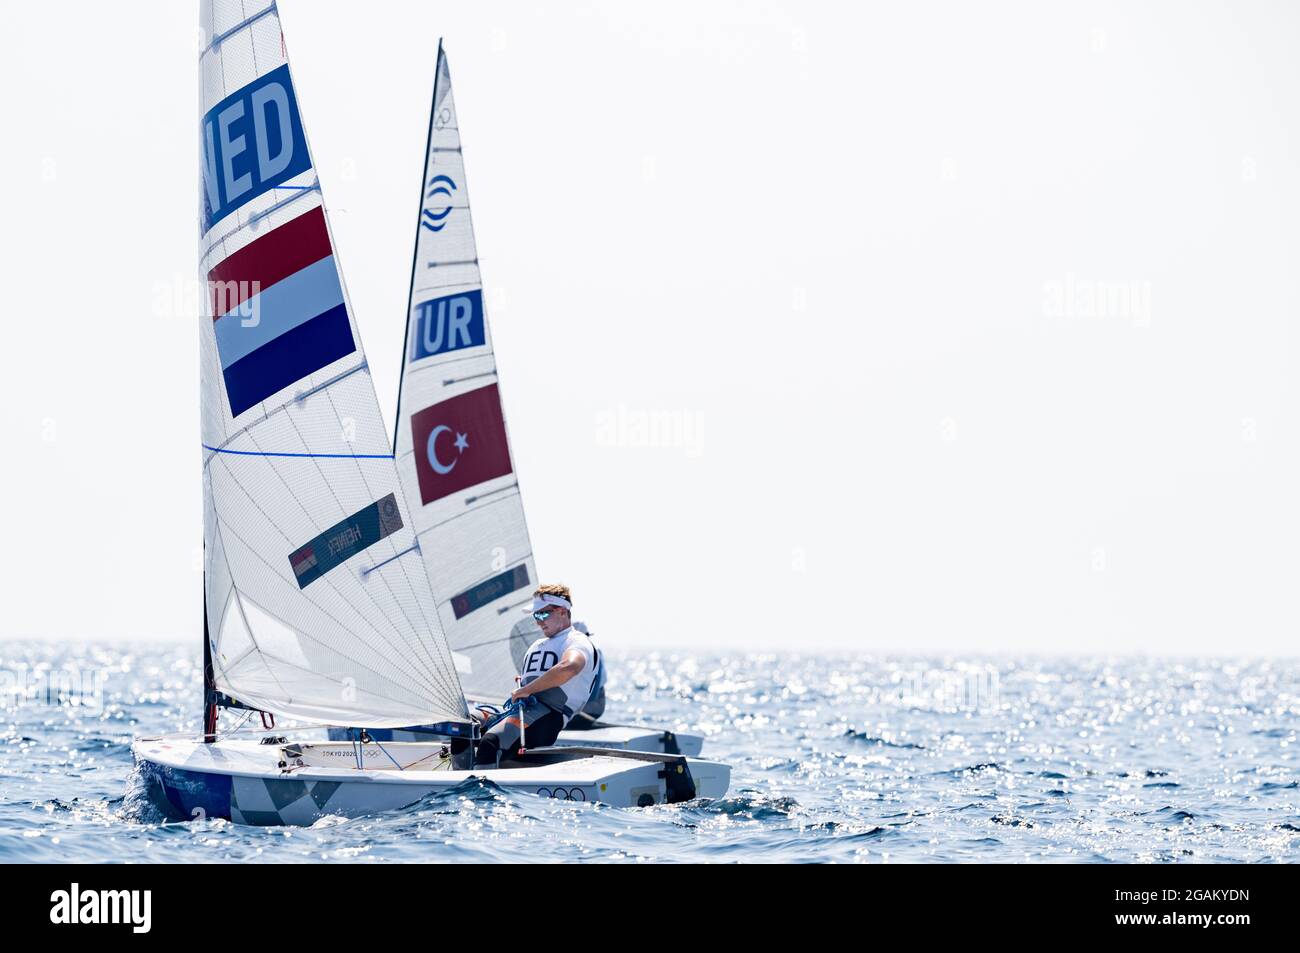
(321, 610)
(451, 445)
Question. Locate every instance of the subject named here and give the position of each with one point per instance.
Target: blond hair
(553, 589)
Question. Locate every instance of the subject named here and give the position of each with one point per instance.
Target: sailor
(560, 677)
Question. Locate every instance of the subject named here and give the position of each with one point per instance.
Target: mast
(415, 245)
(209, 684)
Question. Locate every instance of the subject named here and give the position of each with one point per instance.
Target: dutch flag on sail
(279, 311)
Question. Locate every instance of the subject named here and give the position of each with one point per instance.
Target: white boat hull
(245, 782)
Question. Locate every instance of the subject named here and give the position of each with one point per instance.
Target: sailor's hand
(519, 693)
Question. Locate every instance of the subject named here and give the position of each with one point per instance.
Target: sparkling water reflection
(834, 759)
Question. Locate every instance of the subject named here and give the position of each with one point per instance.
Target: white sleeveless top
(543, 654)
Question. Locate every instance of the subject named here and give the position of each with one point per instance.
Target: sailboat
(453, 452)
(318, 605)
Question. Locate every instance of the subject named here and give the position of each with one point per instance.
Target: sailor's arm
(570, 665)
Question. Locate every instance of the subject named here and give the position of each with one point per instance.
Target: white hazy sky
(974, 322)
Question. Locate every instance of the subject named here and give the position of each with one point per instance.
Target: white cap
(542, 601)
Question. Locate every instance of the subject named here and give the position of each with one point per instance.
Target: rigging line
(414, 548)
(276, 573)
(296, 399)
(468, 377)
(468, 285)
(243, 8)
(456, 263)
(247, 715)
(221, 58)
(212, 31)
(464, 512)
(429, 673)
(314, 187)
(467, 357)
(328, 456)
(247, 22)
(419, 760)
(390, 757)
(504, 609)
(256, 217)
(244, 654)
(479, 645)
(311, 391)
(430, 529)
(474, 499)
(415, 250)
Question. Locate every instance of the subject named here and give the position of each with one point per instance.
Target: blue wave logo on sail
(437, 202)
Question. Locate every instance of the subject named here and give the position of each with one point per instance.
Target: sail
(317, 604)
(452, 449)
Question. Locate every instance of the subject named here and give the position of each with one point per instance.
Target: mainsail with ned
(317, 604)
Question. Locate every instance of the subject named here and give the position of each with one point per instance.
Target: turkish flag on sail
(460, 443)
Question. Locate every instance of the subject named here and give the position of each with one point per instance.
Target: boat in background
(452, 449)
(317, 605)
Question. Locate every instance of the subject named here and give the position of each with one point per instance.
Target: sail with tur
(317, 603)
(452, 449)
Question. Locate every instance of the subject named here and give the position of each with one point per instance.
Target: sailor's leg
(545, 729)
(503, 736)
(541, 727)
(546, 718)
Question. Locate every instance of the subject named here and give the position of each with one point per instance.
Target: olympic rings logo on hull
(563, 794)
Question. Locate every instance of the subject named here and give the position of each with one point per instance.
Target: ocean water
(834, 758)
